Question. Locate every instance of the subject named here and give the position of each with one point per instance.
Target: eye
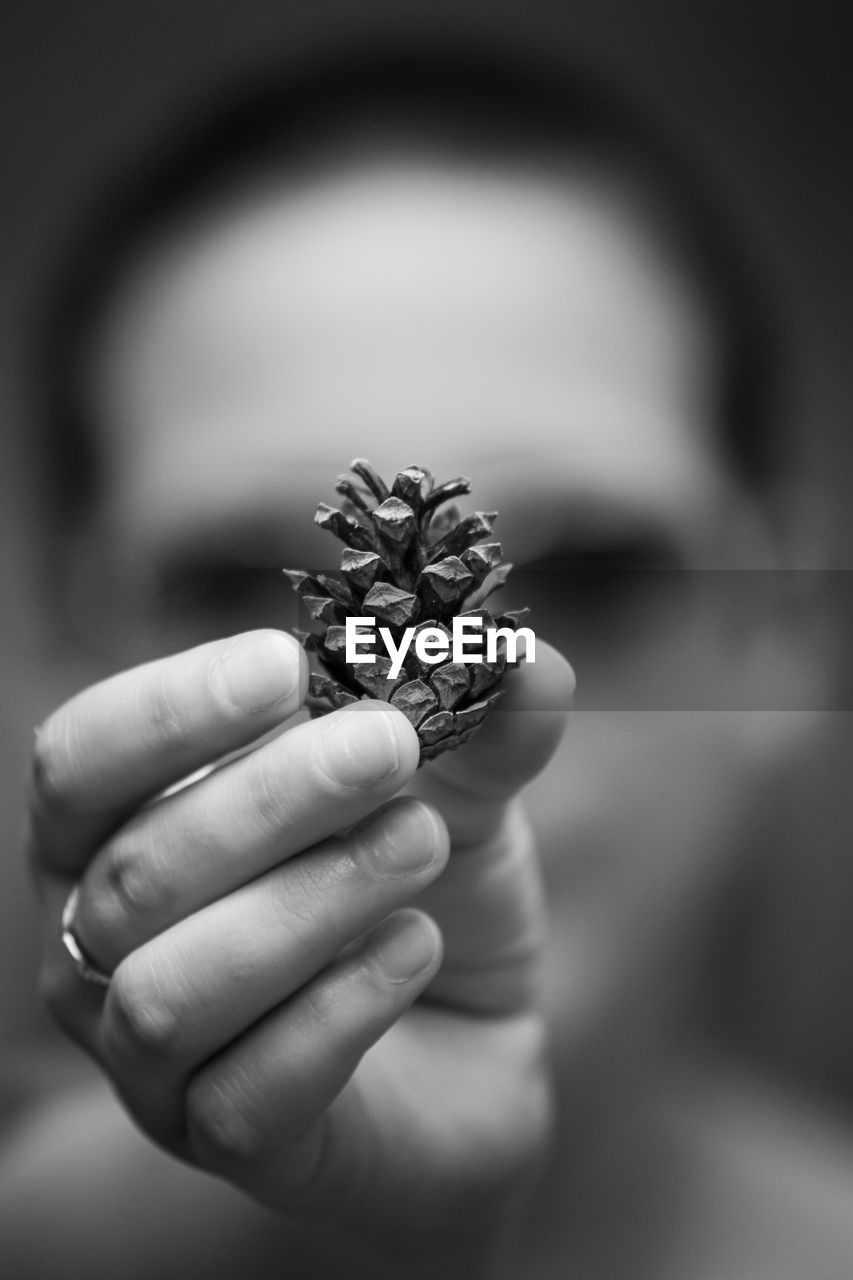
(203, 599)
(607, 590)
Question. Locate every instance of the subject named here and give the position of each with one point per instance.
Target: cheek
(635, 818)
(641, 794)
(651, 775)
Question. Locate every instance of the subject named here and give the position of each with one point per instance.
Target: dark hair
(463, 96)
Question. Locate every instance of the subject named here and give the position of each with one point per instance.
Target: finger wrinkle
(160, 716)
(270, 807)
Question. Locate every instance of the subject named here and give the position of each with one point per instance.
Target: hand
(258, 931)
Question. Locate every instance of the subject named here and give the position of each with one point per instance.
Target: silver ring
(86, 970)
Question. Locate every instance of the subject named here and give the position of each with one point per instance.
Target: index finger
(117, 744)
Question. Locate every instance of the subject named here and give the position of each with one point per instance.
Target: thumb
(488, 902)
(473, 786)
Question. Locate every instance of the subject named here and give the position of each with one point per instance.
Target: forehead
(461, 317)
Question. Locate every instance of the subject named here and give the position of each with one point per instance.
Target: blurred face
(533, 334)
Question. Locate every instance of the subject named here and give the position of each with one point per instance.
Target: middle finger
(198, 845)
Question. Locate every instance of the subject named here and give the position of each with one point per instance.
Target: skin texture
(233, 1027)
(536, 333)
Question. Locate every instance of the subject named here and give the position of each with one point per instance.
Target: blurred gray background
(764, 92)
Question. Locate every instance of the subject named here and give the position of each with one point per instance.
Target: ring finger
(180, 998)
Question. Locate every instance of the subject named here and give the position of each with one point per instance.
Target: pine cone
(409, 561)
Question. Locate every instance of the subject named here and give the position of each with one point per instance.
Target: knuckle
(293, 911)
(131, 888)
(326, 879)
(164, 720)
(220, 1132)
(303, 893)
(138, 1020)
(269, 805)
(320, 1003)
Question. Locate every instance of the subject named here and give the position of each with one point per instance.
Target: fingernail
(405, 945)
(257, 672)
(401, 841)
(355, 749)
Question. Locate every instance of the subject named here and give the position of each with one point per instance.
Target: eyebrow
(534, 523)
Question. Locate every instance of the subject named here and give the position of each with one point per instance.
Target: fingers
(177, 1000)
(253, 1112)
(117, 744)
(225, 966)
(205, 841)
